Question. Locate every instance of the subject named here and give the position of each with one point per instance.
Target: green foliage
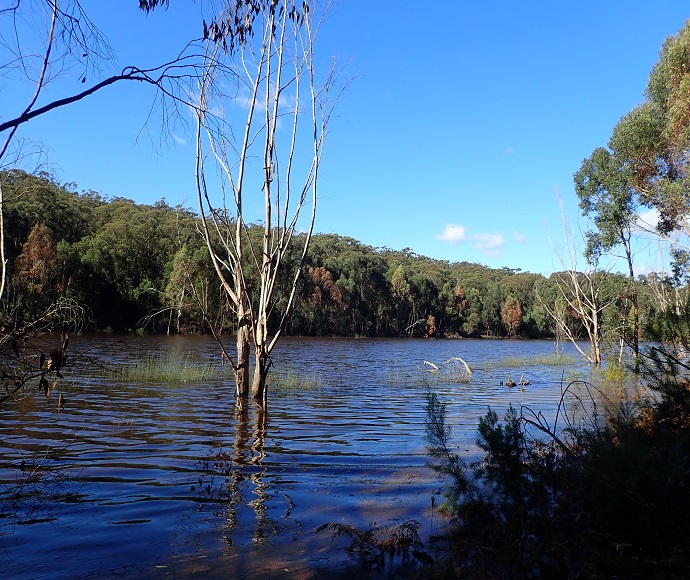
(602, 494)
(145, 265)
(552, 360)
(170, 367)
(287, 379)
(651, 142)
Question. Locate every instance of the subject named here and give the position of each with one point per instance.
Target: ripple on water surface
(155, 479)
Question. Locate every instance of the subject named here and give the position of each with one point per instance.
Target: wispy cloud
(508, 151)
(519, 238)
(287, 101)
(489, 244)
(179, 140)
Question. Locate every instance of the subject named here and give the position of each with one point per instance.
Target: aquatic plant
(288, 379)
(611, 377)
(370, 547)
(554, 360)
(170, 367)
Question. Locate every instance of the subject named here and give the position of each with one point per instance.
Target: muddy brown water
(172, 480)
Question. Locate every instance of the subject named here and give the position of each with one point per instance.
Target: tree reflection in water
(245, 471)
(265, 527)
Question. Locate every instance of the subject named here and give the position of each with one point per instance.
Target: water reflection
(247, 466)
(175, 476)
(265, 527)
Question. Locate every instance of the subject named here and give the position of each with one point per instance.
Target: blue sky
(463, 125)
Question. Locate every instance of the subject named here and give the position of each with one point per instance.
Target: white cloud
(287, 101)
(647, 220)
(489, 244)
(644, 269)
(453, 234)
(519, 238)
(179, 140)
(489, 241)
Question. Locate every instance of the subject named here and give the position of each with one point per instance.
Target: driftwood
(434, 368)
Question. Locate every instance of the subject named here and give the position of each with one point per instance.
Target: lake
(169, 479)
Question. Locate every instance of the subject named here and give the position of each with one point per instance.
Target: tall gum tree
(651, 145)
(608, 197)
(646, 165)
(281, 114)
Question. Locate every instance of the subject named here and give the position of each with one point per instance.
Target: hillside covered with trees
(134, 266)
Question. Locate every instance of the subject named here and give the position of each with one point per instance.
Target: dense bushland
(604, 492)
(145, 266)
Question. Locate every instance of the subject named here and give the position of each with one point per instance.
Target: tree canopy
(141, 266)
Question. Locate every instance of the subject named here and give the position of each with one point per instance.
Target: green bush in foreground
(600, 494)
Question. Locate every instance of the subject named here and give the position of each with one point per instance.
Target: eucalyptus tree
(651, 145)
(281, 114)
(655, 136)
(607, 195)
(511, 315)
(646, 164)
(402, 296)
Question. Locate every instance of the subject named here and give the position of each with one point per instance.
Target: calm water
(172, 480)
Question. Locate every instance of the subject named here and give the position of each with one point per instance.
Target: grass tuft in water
(611, 378)
(550, 360)
(173, 367)
(421, 376)
(371, 547)
(288, 379)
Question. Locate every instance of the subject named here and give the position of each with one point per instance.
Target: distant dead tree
(582, 301)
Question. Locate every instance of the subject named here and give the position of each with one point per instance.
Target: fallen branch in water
(435, 368)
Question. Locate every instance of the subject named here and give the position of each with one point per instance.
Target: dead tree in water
(284, 115)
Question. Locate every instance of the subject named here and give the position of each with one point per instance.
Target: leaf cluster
(646, 163)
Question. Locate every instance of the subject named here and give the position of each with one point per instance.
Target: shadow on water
(173, 479)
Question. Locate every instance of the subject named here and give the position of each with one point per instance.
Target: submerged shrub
(600, 495)
(370, 547)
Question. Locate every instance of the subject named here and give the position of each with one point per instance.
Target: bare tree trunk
(179, 309)
(275, 68)
(262, 360)
(636, 310)
(262, 364)
(3, 262)
(242, 369)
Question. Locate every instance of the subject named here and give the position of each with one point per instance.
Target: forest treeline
(135, 266)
